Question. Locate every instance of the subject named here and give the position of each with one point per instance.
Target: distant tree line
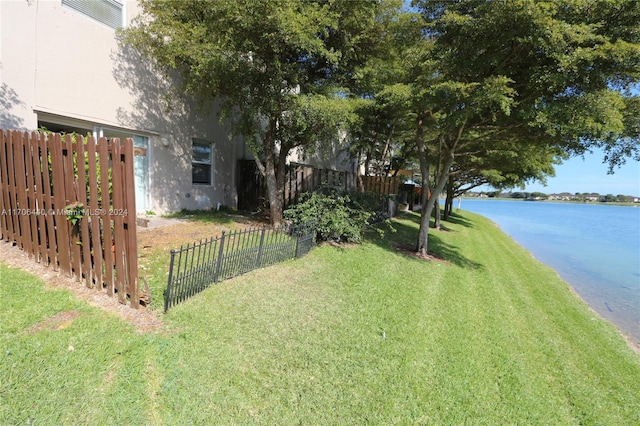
(584, 197)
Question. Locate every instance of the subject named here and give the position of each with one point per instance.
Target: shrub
(337, 217)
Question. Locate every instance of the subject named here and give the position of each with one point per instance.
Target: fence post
(219, 263)
(259, 259)
(167, 298)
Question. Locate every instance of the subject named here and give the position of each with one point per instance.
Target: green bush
(337, 217)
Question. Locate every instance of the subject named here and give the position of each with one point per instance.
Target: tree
(276, 67)
(378, 137)
(557, 73)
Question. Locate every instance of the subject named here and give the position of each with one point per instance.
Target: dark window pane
(202, 174)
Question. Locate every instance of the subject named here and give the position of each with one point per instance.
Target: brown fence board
(57, 185)
(31, 199)
(39, 229)
(12, 194)
(21, 191)
(95, 242)
(118, 207)
(4, 229)
(40, 175)
(57, 189)
(10, 184)
(51, 250)
(80, 186)
(385, 185)
(3, 209)
(7, 217)
(107, 240)
(70, 193)
(130, 226)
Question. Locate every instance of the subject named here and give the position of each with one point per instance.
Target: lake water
(593, 247)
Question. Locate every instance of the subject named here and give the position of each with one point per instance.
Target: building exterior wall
(332, 156)
(58, 65)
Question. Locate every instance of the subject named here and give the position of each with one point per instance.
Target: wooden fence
(304, 178)
(252, 192)
(384, 185)
(69, 202)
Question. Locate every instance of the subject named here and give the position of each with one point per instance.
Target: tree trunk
(448, 204)
(436, 207)
(273, 192)
(436, 215)
(427, 208)
(273, 173)
(281, 176)
(359, 176)
(423, 232)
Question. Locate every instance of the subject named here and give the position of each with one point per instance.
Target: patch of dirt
(176, 232)
(339, 244)
(56, 322)
(173, 236)
(416, 255)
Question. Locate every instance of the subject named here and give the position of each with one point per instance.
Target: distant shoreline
(596, 203)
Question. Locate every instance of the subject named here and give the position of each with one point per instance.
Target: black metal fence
(196, 266)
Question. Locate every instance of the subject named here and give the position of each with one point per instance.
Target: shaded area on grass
(220, 217)
(404, 235)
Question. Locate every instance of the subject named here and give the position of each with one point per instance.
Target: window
(109, 12)
(202, 163)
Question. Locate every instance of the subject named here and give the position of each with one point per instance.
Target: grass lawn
(346, 335)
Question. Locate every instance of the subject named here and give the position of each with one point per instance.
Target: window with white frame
(202, 162)
(108, 12)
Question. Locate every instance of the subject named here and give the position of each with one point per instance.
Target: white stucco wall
(57, 62)
(333, 156)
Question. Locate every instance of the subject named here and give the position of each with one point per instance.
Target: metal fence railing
(196, 266)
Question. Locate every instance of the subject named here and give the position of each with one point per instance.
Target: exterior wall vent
(108, 12)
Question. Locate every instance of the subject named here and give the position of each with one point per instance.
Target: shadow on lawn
(220, 217)
(459, 220)
(403, 239)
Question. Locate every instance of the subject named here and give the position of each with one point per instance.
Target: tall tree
(556, 72)
(377, 137)
(275, 66)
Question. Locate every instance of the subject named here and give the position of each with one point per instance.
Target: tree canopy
(477, 90)
(557, 73)
(276, 67)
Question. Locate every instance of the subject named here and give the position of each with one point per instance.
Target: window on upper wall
(108, 12)
(202, 162)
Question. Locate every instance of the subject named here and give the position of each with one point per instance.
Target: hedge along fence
(69, 202)
(194, 267)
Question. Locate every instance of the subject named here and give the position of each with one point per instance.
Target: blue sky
(590, 175)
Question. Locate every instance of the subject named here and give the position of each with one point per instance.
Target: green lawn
(345, 335)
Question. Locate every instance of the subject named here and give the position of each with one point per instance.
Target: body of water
(593, 247)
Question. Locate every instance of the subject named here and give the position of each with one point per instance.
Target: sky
(590, 175)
